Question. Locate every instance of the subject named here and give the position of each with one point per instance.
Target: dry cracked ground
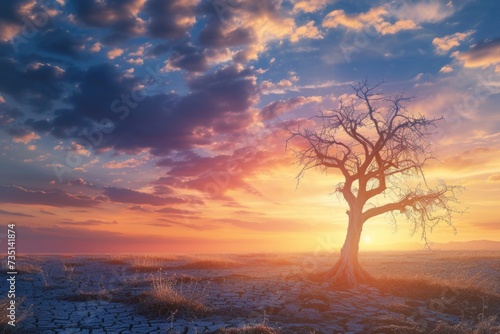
(417, 292)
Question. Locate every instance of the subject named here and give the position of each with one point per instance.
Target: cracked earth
(97, 294)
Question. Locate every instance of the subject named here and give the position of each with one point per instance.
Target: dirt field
(415, 292)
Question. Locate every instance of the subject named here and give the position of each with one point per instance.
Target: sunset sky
(157, 126)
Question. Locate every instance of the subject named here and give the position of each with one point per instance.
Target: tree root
(346, 274)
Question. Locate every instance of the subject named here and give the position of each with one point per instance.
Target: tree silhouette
(380, 149)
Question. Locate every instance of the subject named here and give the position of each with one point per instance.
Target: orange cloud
(112, 54)
(446, 69)
(494, 178)
(446, 43)
(481, 55)
(309, 6)
(26, 138)
(471, 158)
(308, 31)
(276, 108)
(423, 11)
(375, 17)
(490, 226)
(129, 163)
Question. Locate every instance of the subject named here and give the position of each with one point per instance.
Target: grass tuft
(28, 268)
(5, 328)
(165, 300)
(457, 298)
(210, 263)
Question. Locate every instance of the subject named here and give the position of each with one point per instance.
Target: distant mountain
(399, 246)
(468, 245)
(473, 245)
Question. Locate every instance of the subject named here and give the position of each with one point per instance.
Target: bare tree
(380, 149)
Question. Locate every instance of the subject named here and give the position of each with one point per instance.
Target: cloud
(175, 211)
(138, 208)
(79, 182)
(309, 6)
(37, 84)
(215, 175)
(56, 198)
(490, 226)
(20, 135)
(100, 85)
(446, 43)
(446, 69)
(251, 28)
(170, 19)
(276, 225)
(426, 11)
(470, 159)
(277, 108)
(11, 17)
(129, 163)
(195, 59)
(218, 104)
(124, 195)
(113, 53)
(89, 222)
(481, 55)
(376, 17)
(46, 212)
(494, 178)
(170, 223)
(96, 47)
(8, 114)
(64, 238)
(18, 214)
(307, 31)
(62, 42)
(121, 17)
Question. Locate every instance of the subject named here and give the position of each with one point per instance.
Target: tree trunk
(347, 272)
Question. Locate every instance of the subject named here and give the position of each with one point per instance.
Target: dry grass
(272, 260)
(28, 268)
(408, 325)
(164, 299)
(467, 256)
(146, 264)
(115, 261)
(484, 326)
(68, 265)
(5, 328)
(207, 263)
(465, 298)
(185, 278)
(259, 329)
